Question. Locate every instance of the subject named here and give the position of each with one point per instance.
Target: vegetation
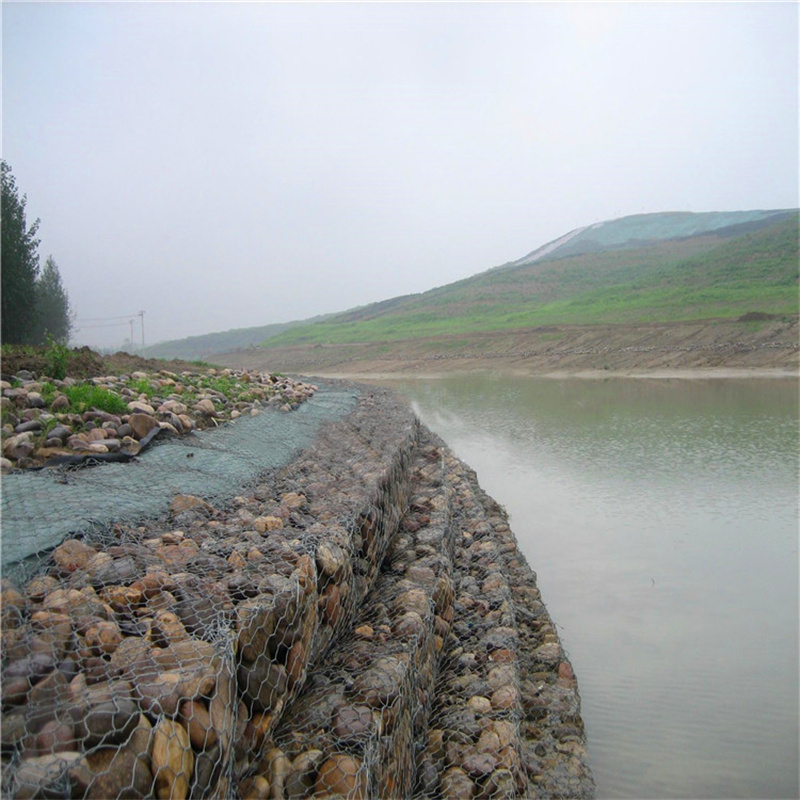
(196, 348)
(85, 396)
(35, 307)
(707, 276)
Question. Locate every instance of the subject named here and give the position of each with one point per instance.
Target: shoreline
(699, 373)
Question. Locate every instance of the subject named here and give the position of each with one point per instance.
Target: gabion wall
(345, 627)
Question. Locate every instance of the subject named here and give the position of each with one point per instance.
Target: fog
(221, 166)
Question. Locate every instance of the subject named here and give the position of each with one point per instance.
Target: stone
(53, 775)
(197, 721)
(342, 775)
(267, 524)
(504, 698)
(104, 636)
(172, 760)
(56, 736)
(73, 554)
(380, 684)
(206, 407)
(188, 502)
(118, 772)
(262, 683)
(456, 785)
(140, 407)
(142, 424)
(330, 559)
(103, 714)
(301, 778)
(353, 721)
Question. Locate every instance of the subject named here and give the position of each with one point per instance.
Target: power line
(107, 319)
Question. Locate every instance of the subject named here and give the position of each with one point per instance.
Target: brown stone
(43, 776)
(301, 778)
(188, 502)
(352, 721)
(73, 554)
(118, 772)
(172, 760)
(267, 524)
(104, 636)
(262, 683)
(343, 775)
(197, 721)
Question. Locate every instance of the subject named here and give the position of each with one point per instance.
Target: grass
(84, 397)
(684, 280)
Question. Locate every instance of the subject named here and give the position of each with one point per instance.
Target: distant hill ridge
(647, 267)
(641, 229)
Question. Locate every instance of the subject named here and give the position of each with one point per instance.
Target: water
(662, 520)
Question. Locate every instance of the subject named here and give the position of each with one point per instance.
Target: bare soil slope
(710, 346)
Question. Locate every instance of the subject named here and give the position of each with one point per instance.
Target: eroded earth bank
(356, 623)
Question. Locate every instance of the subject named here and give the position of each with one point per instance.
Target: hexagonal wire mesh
(345, 626)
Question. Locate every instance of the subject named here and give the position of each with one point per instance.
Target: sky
(227, 165)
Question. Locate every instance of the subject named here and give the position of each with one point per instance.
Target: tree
(20, 264)
(53, 314)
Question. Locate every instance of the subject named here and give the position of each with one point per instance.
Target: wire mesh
(355, 621)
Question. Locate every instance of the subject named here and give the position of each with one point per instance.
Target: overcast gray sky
(228, 165)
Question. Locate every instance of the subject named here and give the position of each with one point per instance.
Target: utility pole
(131, 336)
(141, 314)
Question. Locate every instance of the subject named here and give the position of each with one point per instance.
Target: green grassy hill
(200, 347)
(725, 266)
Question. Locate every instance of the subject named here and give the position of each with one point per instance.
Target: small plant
(84, 397)
(57, 356)
(141, 386)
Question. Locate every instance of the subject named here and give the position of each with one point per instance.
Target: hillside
(722, 272)
(205, 345)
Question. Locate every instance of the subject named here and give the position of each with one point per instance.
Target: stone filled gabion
(357, 624)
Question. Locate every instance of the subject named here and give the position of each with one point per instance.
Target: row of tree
(35, 305)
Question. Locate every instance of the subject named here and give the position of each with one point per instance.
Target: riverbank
(709, 348)
(357, 622)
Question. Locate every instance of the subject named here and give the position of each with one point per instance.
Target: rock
(33, 425)
(56, 736)
(104, 636)
(254, 788)
(172, 760)
(140, 407)
(380, 684)
(142, 424)
(342, 775)
(267, 524)
(353, 721)
(54, 775)
(104, 714)
(456, 785)
(60, 403)
(197, 721)
(413, 600)
(278, 770)
(206, 407)
(302, 776)
(73, 554)
(330, 559)
(18, 447)
(188, 502)
(504, 698)
(118, 772)
(262, 683)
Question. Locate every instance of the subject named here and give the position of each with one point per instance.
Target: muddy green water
(661, 517)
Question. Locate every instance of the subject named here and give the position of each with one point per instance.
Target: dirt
(708, 348)
(86, 363)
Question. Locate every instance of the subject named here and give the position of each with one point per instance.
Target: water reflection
(661, 518)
